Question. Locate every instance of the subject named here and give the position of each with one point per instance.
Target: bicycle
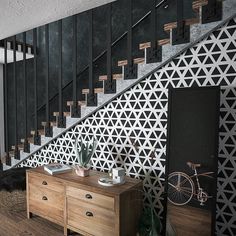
(181, 187)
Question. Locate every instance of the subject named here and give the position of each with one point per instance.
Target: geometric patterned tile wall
(140, 115)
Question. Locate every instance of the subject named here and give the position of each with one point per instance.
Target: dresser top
(90, 182)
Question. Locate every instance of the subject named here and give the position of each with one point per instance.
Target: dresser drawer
(46, 182)
(90, 218)
(46, 203)
(91, 197)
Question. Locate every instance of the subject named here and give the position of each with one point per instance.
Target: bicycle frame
(206, 174)
(181, 193)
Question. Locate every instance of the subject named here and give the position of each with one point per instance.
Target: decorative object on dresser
(57, 168)
(118, 175)
(84, 152)
(84, 206)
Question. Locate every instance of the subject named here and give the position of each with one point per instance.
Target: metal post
(75, 111)
(181, 34)
(131, 69)
(110, 84)
(91, 97)
(61, 118)
(16, 151)
(26, 144)
(154, 53)
(48, 128)
(8, 158)
(37, 139)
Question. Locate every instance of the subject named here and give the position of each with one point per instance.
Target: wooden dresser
(82, 205)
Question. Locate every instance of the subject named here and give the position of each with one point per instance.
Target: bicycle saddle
(193, 165)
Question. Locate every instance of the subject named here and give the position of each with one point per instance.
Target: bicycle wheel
(180, 188)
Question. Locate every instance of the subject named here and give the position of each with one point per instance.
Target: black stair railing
(75, 109)
(131, 69)
(26, 144)
(91, 96)
(181, 34)
(61, 122)
(154, 53)
(110, 84)
(37, 139)
(8, 158)
(16, 150)
(48, 128)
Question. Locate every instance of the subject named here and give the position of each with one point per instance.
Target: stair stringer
(197, 32)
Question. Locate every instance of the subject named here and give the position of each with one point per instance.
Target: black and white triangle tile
(140, 116)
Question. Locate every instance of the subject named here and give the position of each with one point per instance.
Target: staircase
(182, 34)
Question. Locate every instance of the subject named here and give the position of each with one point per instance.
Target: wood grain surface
(14, 221)
(189, 221)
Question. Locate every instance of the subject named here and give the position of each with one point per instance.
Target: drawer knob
(88, 196)
(88, 213)
(44, 183)
(44, 198)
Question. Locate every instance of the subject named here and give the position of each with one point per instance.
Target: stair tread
(82, 103)
(53, 123)
(66, 113)
(161, 42)
(85, 91)
(98, 90)
(69, 103)
(122, 63)
(199, 3)
(12, 153)
(169, 26)
(173, 25)
(135, 60)
(102, 77)
(32, 132)
(19, 146)
(44, 123)
(56, 113)
(114, 76)
(40, 132)
(22, 140)
(139, 60)
(144, 45)
(31, 140)
(117, 76)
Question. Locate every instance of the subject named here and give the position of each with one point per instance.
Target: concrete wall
(1, 112)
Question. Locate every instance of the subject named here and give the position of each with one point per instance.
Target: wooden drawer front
(90, 197)
(92, 219)
(46, 203)
(45, 182)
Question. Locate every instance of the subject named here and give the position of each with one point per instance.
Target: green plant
(149, 224)
(84, 151)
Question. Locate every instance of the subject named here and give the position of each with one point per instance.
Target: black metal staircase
(179, 33)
